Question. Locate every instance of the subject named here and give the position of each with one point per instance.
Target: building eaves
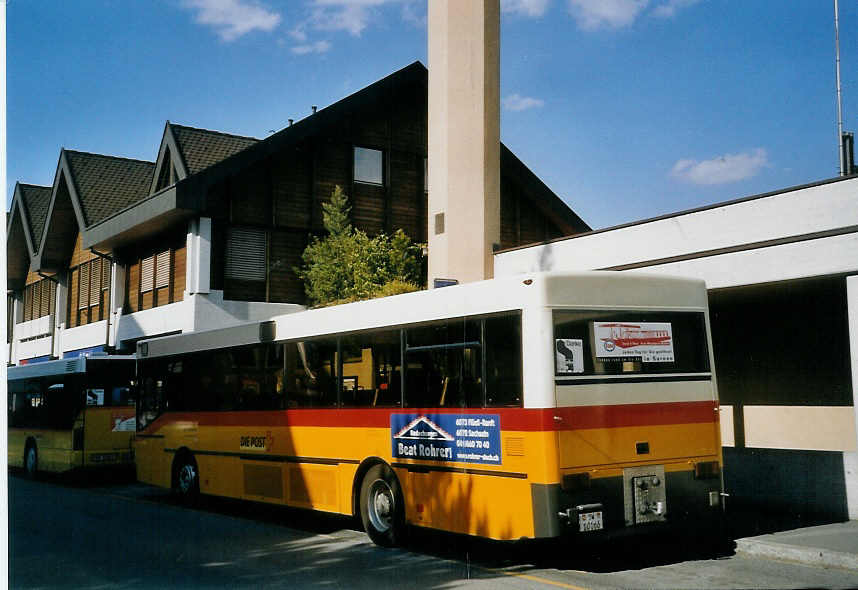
(107, 184)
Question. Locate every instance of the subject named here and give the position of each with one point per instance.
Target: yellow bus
(71, 413)
(506, 409)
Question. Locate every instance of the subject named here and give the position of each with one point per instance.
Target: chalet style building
(208, 235)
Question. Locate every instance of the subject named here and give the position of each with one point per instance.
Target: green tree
(348, 265)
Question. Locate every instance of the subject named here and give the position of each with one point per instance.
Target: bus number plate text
(590, 521)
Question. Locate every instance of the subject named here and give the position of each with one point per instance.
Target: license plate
(590, 521)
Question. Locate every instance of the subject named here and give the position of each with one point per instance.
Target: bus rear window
(606, 342)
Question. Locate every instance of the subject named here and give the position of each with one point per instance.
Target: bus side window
(371, 364)
(502, 347)
(443, 366)
(313, 373)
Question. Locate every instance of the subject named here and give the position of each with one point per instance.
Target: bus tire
(186, 478)
(382, 507)
(31, 460)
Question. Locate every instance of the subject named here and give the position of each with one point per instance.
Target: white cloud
(668, 8)
(516, 102)
(414, 13)
(531, 8)
(317, 47)
(609, 14)
(351, 16)
(233, 18)
(721, 169)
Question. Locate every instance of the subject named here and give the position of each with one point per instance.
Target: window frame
(382, 168)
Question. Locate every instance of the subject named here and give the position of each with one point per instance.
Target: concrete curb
(806, 555)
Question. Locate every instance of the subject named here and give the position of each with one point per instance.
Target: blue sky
(627, 109)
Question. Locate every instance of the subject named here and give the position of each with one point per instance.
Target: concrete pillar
(117, 301)
(198, 259)
(464, 138)
(60, 312)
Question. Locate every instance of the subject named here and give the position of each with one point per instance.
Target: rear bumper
(688, 505)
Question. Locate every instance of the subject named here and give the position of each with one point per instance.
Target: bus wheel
(31, 460)
(382, 509)
(186, 478)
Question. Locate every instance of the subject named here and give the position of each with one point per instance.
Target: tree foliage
(348, 265)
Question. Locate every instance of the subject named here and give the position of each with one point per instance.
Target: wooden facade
(89, 279)
(155, 271)
(39, 297)
(281, 194)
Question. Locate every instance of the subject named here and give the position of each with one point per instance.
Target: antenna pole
(839, 101)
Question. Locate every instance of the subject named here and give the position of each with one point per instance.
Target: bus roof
(62, 366)
(584, 290)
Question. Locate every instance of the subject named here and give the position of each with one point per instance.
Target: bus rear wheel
(382, 508)
(31, 460)
(186, 478)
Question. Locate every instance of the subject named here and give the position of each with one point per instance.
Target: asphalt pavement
(111, 534)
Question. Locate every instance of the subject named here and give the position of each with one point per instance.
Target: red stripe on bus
(514, 419)
(657, 414)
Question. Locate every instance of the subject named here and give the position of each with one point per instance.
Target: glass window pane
(629, 342)
(311, 369)
(444, 365)
(502, 347)
(371, 369)
(369, 166)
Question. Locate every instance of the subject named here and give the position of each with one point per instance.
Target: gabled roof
(35, 200)
(189, 195)
(24, 221)
(87, 189)
(107, 184)
(189, 150)
(201, 148)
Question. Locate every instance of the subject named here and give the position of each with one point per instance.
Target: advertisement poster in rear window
(651, 342)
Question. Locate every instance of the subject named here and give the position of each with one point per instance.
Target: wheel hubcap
(187, 475)
(31, 460)
(380, 505)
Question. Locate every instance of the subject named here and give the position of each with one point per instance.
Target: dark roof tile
(106, 184)
(201, 148)
(36, 200)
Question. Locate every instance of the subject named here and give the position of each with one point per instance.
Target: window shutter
(162, 269)
(83, 290)
(245, 254)
(105, 275)
(44, 297)
(95, 288)
(28, 303)
(147, 274)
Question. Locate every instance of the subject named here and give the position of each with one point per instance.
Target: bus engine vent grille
(514, 446)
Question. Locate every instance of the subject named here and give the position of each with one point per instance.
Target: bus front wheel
(31, 460)
(186, 478)
(382, 508)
